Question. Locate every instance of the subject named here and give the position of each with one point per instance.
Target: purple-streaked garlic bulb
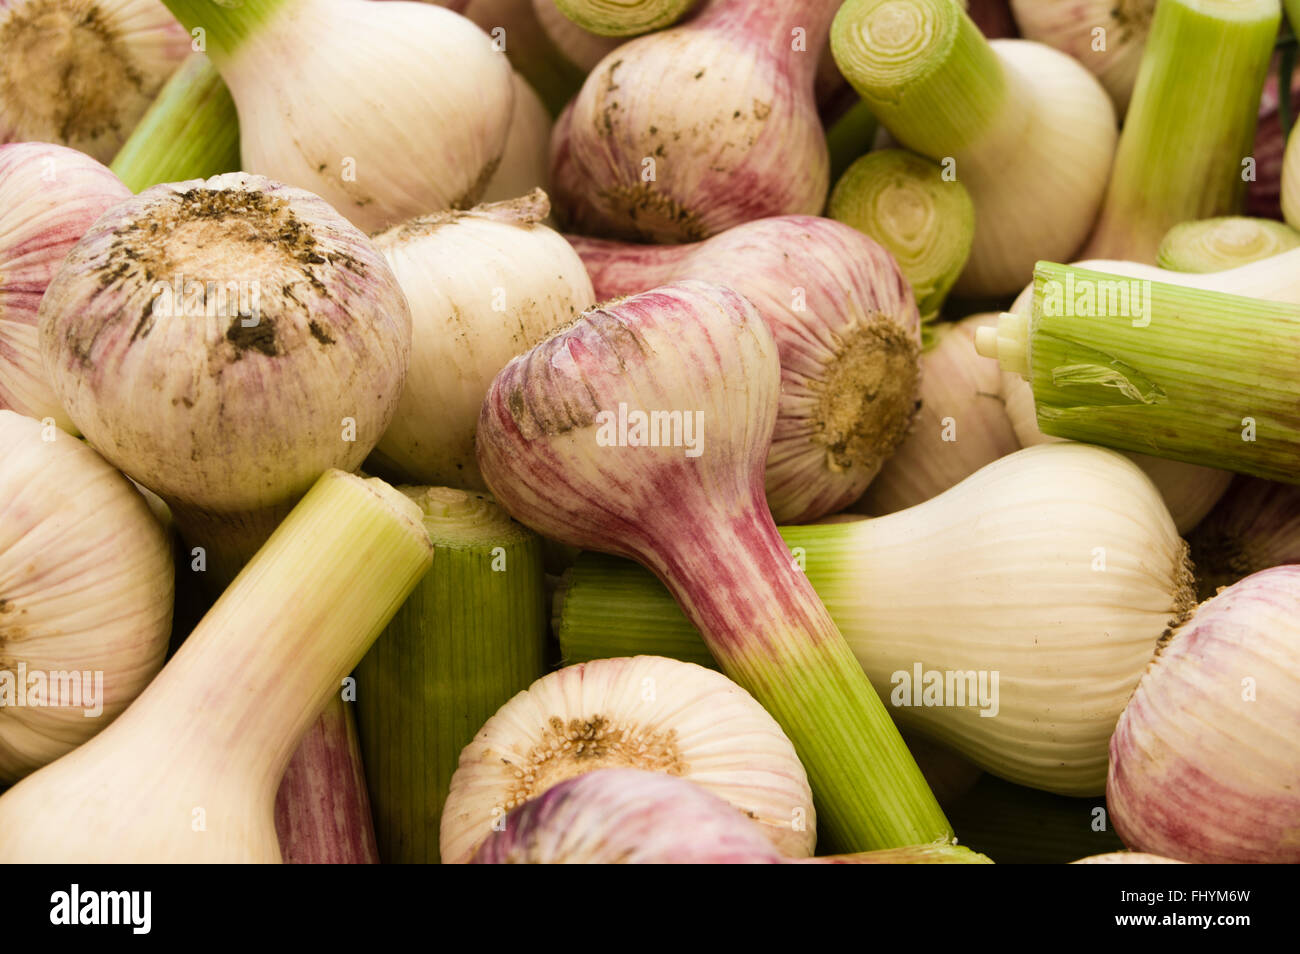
(85, 594)
(642, 430)
(642, 712)
(962, 423)
(1256, 525)
(1205, 760)
(847, 331)
(82, 72)
(49, 197)
(681, 134)
(224, 342)
(626, 816)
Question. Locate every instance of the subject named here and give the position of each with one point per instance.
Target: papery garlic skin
(86, 584)
(626, 816)
(1071, 26)
(1205, 761)
(49, 197)
(643, 712)
(81, 73)
(681, 134)
(483, 286)
(523, 166)
(385, 111)
(847, 332)
(962, 423)
(298, 370)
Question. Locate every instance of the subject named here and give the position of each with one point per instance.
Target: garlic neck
(793, 33)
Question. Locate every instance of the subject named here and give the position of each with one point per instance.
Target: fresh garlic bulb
(224, 342)
(641, 712)
(82, 72)
(85, 594)
(523, 165)
(1126, 858)
(385, 110)
(847, 332)
(49, 197)
(678, 135)
(1106, 36)
(483, 286)
(961, 426)
(1205, 761)
(626, 816)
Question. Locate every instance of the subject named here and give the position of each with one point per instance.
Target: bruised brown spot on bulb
(66, 67)
(868, 395)
(568, 748)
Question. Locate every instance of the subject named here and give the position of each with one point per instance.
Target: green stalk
(190, 132)
(927, 223)
(851, 137)
(624, 17)
(924, 69)
(1175, 372)
(225, 25)
(1190, 125)
(1017, 825)
(1213, 245)
(470, 636)
(910, 855)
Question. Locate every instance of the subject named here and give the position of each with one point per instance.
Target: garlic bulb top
(225, 341)
(82, 72)
(81, 632)
(387, 111)
(49, 197)
(644, 712)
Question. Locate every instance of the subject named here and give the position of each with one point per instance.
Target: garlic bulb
(385, 110)
(224, 342)
(1106, 36)
(1061, 570)
(640, 712)
(626, 816)
(681, 134)
(483, 286)
(49, 197)
(847, 332)
(962, 423)
(1025, 128)
(82, 72)
(523, 165)
(80, 634)
(1205, 761)
(642, 430)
